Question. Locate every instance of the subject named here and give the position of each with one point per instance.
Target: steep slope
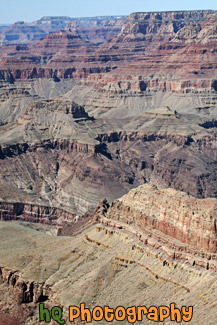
(93, 268)
(173, 214)
(55, 153)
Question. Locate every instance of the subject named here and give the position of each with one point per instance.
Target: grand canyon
(108, 164)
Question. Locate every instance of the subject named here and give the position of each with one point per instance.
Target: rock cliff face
(94, 261)
(173, 213)
(146, 51)
(34, 213)
(25, 291)
(53, 152)
(24, 295)
(139, 62)
(155, 35)
(98, 30)
(142, 58)
(146, 31)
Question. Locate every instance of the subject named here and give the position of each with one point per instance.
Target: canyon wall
(190, 220)
(170, 221)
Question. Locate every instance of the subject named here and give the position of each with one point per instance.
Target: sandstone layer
(93, 268)
(164, 215)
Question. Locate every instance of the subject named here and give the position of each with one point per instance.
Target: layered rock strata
(166, 214)
(95, 29)
(34, 213)
(93, 268)
(57, 154)
(146, 42)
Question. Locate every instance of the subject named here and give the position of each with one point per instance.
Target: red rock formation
(153, 50)
(175, 214)
(150, 44)
(33, 213)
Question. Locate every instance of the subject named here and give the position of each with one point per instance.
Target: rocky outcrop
(89, 262)
(176, 226)
(175, 214)
(25, 291)
(34, 213)
(52, 105)
(66, 223)
(25, 294)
